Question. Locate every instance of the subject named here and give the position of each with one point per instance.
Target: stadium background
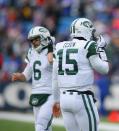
(18, 16)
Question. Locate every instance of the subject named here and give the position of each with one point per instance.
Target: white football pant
(79, 112)
(43, 116)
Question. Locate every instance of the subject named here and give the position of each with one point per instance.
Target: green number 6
(37, 72)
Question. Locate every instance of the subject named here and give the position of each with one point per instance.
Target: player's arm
(18, 77)
(98, 60)
(55, 91)
(99, 65)
(55, 88)
(24, 76)
(50, 53)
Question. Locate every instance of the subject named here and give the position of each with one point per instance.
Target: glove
(56, 110)
(51, 40)
(102, 54)
(101, 43)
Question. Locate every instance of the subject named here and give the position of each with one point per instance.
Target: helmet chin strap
(40, 47)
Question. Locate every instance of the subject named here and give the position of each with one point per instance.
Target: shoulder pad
(89, 43)
(91, 47)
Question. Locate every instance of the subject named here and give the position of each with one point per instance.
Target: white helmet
(82, 27)
(43, 33)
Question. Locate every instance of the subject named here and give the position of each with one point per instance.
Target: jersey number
(68, 60)
(37, 72)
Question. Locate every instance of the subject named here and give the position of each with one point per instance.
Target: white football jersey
(41, 71)
(74, 69)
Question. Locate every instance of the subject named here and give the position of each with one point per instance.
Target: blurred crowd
(18, 16)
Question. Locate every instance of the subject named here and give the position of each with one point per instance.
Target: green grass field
(6, 125)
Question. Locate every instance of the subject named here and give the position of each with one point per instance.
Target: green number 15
(67, 60)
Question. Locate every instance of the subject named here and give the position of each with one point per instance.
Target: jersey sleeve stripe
(87, 44)
(27, 59)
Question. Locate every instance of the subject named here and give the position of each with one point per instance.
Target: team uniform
(73, 75)
(40, 70)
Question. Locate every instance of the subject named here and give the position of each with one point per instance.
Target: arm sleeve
(55, 89)
(50, 48)
(98, 64)
(98, 59)
(27, 72)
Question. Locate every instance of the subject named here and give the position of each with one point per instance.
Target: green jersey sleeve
(91, 48)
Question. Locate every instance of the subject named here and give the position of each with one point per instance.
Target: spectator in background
(1, 60)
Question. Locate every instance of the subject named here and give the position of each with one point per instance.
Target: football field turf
(7, 125)
(11, 121)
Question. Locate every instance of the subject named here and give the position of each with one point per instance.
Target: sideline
(56, 121)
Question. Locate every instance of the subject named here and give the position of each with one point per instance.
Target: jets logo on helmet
(82, 27)
(87, 24)
(44, 30)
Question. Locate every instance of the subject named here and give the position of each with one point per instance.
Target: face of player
(35, 42)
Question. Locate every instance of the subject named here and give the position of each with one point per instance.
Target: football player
(73, 76)
(39, 67)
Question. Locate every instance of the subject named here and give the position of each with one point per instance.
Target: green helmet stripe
(73, 27)
(87, 44)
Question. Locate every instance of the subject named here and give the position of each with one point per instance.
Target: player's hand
(17, 76)
(101, 43)
(56, 110)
